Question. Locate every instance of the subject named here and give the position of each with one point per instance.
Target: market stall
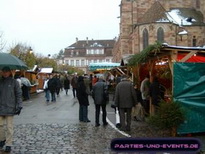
(181, 71)
(42, 74)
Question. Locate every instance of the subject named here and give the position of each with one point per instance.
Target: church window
(160, 35)
(198, 4)
(145, 38)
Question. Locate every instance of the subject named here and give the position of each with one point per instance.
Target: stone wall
(131, 41)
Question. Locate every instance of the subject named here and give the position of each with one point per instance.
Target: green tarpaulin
(189, 89)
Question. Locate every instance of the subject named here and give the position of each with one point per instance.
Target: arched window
(145, 38)
(160, 35)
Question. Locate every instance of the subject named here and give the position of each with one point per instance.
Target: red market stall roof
(194, 58)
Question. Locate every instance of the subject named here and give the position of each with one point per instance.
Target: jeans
(97, 113)
(53, 96)
(7, 132)
(83, 113)
(74, 92)
(47, 95)
(66, 91)
(58, 90)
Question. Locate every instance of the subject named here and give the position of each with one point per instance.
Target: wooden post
(173, 59)
(152, 64)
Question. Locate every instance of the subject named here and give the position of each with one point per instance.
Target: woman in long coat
(66, 84)
(82, 97)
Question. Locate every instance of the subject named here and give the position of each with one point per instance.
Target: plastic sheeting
(189, 89)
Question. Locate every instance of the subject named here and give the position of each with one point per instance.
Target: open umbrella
(11, 61)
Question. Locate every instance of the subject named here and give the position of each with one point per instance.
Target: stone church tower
(143, 22)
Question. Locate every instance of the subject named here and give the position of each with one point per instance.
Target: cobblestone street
(58, 131)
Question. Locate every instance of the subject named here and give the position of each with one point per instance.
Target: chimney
(86, 40)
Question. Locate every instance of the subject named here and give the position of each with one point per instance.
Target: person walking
(62, 78)
(58, 84)
(87, 84)
(125, 99)
(66, 83)
(94, 80)
(74, 81)
(10, 105)
(52, 87)
(91, 79)
(138, 110)
(46, 89)
(145, 91)
(82, 97)
(26, 85)
(99, 89)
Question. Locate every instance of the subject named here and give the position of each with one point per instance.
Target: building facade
(83, 52)
(143, 22)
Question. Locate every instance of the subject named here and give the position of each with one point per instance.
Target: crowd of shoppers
(53, 84)
(130, 100)
(133, 101)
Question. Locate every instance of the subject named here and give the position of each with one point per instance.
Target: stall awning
(102, 66)
(46, 70)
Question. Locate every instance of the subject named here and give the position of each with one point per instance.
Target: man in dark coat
(52, 83)
(10, 105)
(125, 99)
(82, 97)
(98, 95)
(156, 92)
(58, 84)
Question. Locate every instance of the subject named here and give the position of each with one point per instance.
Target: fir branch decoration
(142, 56)
(169, 115)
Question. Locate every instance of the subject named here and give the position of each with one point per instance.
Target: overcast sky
(51, 25)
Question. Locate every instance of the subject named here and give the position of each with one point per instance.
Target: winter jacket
(156, 92)
(98, 90)
(81, 92)
(66, 83)
(74, 81)
(52, 84)
(58, 82)
(10, 96)
(125, 95)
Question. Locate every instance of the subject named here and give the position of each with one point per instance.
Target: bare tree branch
(2, 42)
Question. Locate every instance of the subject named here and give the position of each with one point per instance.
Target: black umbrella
(11, 61)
